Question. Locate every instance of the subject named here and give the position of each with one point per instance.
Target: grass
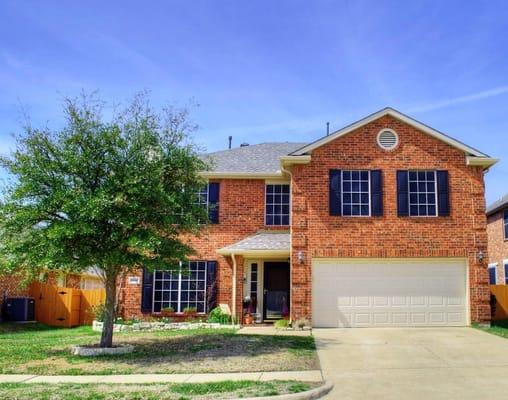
(41, 350)
(499, 328)
(176, 391)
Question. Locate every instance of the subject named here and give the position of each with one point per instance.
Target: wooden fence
(66, 307)
(500, 306)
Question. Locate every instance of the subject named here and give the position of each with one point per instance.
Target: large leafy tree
(115, 194)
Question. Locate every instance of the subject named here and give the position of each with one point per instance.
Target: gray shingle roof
(498, 205)
(262, 241)
(256, 158)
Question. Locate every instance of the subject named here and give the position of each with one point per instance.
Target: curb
(315, 393)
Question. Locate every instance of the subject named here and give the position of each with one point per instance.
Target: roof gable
(469, 151)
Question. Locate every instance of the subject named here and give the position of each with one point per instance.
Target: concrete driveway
(418, 363)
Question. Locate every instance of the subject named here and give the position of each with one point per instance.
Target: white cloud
(436, 105)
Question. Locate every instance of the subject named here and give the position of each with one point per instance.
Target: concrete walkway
(307, 376)
(413, 363)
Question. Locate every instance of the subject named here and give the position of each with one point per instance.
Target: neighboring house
(381, 223)
(497, 230)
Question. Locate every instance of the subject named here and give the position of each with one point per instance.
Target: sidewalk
(307, 376)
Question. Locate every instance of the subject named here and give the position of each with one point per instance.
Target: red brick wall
(241, 213)
(318, 234)
(498, 246)
(11, 286)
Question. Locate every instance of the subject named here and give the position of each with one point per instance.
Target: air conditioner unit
(19, 309)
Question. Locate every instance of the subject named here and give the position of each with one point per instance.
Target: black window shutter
(443, 196)
(335, 199)
(376, 193)
(147, 291)
(213, 202)
(402, 194)
(211, 285)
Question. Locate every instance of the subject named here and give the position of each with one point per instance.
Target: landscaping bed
(42, 350)
(176, 391)
(161, 326)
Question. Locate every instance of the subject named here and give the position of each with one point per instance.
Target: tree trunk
(109, 312)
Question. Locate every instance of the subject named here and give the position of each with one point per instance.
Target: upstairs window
(505, 224)
(422, 193)
(202, 197)
(277, 204)
(356, 193)
(208, 198)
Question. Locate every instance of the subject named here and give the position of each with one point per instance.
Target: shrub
(190, 310)
(168, 310)
(281, 324)
(98, 311)
(216, 316)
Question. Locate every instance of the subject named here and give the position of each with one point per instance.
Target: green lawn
(41, 350)
(180, 391)
(499, 328)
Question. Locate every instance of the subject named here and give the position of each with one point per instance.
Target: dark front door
(276, 290)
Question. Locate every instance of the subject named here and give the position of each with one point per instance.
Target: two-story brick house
(497, 231)
(381, 223)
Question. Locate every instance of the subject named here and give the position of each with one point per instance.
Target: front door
(276, 290)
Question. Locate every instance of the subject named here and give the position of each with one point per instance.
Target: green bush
(190, 310)
(216, 316)
(281, 324)
(99, 312)
(168, 309)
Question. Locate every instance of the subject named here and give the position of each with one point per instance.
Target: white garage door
(377, 293)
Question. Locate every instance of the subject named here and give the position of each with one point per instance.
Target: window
(505, 224)
(181, 289)
(277, 204)
(356, 193)
(492, 274)
(254, 280)
(505, 263)
(202, 197)
(422, 193)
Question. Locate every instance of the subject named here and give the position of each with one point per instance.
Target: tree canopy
(115, 194)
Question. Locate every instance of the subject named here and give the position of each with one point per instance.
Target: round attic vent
(387, 139)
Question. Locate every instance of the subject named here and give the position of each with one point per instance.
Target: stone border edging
(315, 393)
(85, 351)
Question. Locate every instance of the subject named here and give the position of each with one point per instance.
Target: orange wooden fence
(61, 306)
(500, 309)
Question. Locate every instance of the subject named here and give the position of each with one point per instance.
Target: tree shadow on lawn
(205, 353)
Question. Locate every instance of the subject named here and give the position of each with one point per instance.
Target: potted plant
(167, 311)
(247, 311)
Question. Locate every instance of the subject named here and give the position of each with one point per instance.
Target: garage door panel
(386, 293)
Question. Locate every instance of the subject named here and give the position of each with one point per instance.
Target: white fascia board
(485, 162)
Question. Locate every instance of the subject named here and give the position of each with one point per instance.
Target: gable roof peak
(468, 150)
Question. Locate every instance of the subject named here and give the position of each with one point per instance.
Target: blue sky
(266, 70)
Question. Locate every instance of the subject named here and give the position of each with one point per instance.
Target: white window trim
(494, 267)
(435, 193)
(342, 194)
(289, 204)
(178, 310)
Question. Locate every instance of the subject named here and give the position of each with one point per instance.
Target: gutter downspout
(290, 239)
(233, 305)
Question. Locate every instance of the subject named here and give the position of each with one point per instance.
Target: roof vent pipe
(230, 139)
(244, 144)
(327, 128)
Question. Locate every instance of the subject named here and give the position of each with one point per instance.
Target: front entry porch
(266, 290)
(261, 272)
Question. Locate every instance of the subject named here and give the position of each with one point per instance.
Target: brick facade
(498, 246)
(11, 286)
(317, 234)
